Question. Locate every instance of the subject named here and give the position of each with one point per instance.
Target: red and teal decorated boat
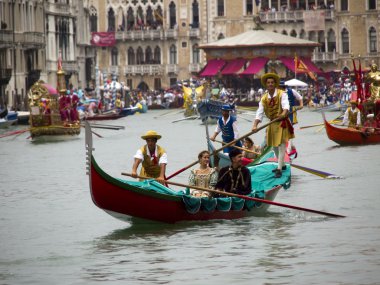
(150, 201)
(349, 136)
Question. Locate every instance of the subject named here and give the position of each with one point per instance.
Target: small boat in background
(349, 136)
(7, 118)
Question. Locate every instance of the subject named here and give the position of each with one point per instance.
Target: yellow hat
(151, 135)
(270, 75)
(353, 102)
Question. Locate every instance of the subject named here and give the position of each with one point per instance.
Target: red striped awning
(212, 67)
(288, 62)
(255, 65)
(233, 67)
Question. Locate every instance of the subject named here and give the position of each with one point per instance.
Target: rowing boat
(150, 201)
(349, 136)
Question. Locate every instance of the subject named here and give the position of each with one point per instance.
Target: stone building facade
(157, 42)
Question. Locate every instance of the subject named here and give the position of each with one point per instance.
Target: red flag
(300, 66)
(358, 80)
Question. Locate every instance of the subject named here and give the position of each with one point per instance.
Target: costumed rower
(227, 124)
(352, 116)
(153, 158)
(293, 95)
(274, 104)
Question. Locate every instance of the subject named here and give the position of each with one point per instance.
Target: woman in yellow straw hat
(352, 116)
(274, 104)
(152, 156)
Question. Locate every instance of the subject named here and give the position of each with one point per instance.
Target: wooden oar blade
(319, 173)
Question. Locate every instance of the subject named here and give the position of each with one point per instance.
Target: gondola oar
(18, 132)
(245, 197)
(316, 172)
(188, 118)
(182, 170)
(241, 148)
(99, 136)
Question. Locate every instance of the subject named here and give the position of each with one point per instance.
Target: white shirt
(163, 158)
(234, 126)
(284, 104)
(345, 118)
(296, 94)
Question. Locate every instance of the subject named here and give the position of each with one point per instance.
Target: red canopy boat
(149, 200)
(349, 136)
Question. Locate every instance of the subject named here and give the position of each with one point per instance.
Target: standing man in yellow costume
(153, 158)
(274, 104)
(352, 116)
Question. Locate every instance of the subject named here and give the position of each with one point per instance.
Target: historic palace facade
(155, 42)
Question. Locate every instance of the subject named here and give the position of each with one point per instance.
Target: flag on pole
(300, 66)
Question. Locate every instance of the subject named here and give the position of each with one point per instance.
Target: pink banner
(103, 39)
(314, 20)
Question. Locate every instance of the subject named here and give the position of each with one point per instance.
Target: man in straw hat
(227, 124)
(274, 104)
(152, 156)
(352, 116)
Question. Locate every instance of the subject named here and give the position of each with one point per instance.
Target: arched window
(293, 34)
(195, 23)
(111, 20)
(130, 19)
(220, 8)
(149, 17)
(248, 7)
(344, 5)
(158, 16)
(131, 56)
(139, 56)
(148, 56)
(172, 15)
(157, 55)
(372, 40)
(140, 17)
(93, 19)
(313, 36)
(371, 4)
(331, 41)
(321, 41)
(195, 53)
(345, 41)
(220, 36)
(114, 56)
(302, 34)
(284, 32)
(173, 54)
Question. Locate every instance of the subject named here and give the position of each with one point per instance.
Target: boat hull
(349, 136)
(124, 201)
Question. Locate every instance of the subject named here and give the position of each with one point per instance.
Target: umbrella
(296, 83)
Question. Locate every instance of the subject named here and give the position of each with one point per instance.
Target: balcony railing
(113, 69)
(69, 65)
(325, 56)
(58, 8)
(139, 35)
(6, 37)
(194, 33)
(151, 69)
(290, 16)
(171, 33)
(194, 67)
(172, 68)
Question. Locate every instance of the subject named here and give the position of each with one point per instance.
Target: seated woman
(204, 176)
(370, 125)
(252, 151)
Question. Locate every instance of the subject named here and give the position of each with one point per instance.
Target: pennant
(300, 66)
